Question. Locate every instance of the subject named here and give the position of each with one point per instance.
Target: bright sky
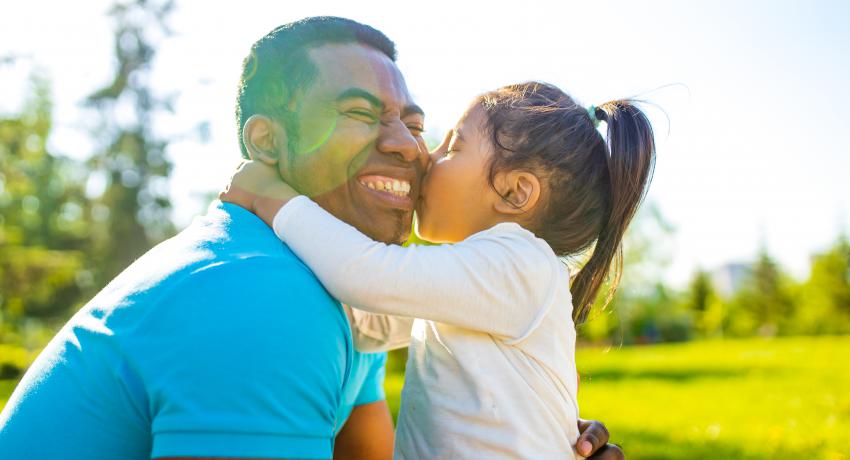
(757, 149)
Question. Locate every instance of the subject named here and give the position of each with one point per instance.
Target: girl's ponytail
(630, 156)
(593, 187)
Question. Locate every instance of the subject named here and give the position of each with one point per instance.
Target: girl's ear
(520, 191)
(264, 139)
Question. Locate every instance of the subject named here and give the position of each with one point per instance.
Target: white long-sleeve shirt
(491, 368)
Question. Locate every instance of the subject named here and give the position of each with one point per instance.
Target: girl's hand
(258, 188)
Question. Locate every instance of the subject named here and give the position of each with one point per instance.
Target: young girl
(523, 180)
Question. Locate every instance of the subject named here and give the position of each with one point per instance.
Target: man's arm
(593, 442)
(367, 435)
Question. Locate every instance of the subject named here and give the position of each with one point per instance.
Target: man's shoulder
(211, 271)
(238, 254)
(254, 276)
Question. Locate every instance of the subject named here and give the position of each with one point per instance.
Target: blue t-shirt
(217, 342)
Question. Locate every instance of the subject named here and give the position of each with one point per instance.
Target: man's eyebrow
(411, 109)
(359, 93)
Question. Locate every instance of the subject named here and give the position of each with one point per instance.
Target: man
(219, 342)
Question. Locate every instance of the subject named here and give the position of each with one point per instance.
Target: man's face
(359, 152)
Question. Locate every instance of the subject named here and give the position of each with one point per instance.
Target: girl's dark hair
(591, 188)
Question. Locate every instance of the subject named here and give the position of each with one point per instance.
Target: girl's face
(457, 199)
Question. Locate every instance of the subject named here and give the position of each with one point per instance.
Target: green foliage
(702, 300)
(765, 303)
(43, 221)
(41, 194)
(132, 161)
(701, 292)
(36, 282)
(14, 360)
(58, 244)
(825, 297)
(768, 302)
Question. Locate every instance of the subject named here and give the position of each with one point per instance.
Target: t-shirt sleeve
(245, 359)
(374, 332)
(373, 387)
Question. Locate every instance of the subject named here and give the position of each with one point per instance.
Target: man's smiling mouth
(389, 185)
(390, 191)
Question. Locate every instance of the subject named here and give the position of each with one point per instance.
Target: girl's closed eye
(452, 149)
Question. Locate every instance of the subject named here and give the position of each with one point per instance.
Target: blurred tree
(765, 303)
(702, 300)
(825, 299)
(134, 211)
(43, 218)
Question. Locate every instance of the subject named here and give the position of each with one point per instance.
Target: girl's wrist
(266, 207)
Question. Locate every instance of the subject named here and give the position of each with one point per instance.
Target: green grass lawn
(741, 399)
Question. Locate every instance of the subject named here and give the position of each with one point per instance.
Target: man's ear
(264, 139)
(520, 191)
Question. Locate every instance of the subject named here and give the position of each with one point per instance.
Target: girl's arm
(498, 281)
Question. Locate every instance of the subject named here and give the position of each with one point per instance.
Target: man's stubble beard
(404, 221)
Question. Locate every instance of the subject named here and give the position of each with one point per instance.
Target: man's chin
(401, 238)
(395, 232)
(396, 236)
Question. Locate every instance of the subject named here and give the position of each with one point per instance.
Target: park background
(728, 337)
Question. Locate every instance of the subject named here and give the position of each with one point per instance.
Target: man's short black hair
(279, 65)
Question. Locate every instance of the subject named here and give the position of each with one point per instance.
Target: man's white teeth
(396, 187)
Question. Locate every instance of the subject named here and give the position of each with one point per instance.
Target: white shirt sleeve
(373, 332)
(499, 281)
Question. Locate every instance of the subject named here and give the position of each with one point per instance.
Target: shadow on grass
(644, 445)
(671, 375)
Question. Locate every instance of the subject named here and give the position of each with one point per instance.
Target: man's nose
(397, 140)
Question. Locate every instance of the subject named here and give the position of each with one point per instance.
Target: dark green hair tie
(596, 114)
